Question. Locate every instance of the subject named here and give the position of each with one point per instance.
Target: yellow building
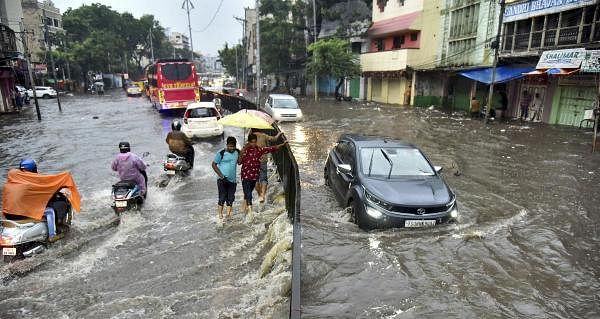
(404, 36)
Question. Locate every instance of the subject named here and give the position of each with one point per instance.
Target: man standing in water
(250, 161)
(225, 165)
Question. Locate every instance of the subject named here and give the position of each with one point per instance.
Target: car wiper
(389, 160)
(371, 162)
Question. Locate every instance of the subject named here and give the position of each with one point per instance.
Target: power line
(213, 18)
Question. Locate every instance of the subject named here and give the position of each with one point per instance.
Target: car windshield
(176, 71)
(202, 112)
(285, 103)
(394, 162)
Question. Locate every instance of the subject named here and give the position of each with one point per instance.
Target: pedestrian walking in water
(250, 161)
(525, 100)
(225, 165)
(475, 107)
(263, 140)
(536, 108)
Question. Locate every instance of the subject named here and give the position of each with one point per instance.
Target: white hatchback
(43, 91)
(200, 120)
(283, 107)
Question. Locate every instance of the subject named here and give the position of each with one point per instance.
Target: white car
(283, 107)
(133, 90)
(43, 91)
(200, 120)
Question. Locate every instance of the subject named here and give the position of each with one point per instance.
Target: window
(398, 41)
(202, 112)
(464, 21)
(394, 162)
(176, 71)
(379, 43)
(56, 23)
(414, 36)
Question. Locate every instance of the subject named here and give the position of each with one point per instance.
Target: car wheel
(326, 177)
(359, 215)
(46, 96)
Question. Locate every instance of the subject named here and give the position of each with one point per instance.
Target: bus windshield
(176, 71)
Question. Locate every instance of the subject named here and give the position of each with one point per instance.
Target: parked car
(200, 120)
(283, 107)
(387, 183)
(43, 91)
(133, 90)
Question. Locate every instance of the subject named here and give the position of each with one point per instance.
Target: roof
(393, 25)
(372, 140)
(198, 105)
(503, 73)
(282, 96)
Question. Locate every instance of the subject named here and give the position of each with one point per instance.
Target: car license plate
(419, 223)
(170, 172)
(9, 251)
(121, 203)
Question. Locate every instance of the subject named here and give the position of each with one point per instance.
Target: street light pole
(49, 46)
(187, 4)
(315, 40)
(496, 48)
(258, 83)
(243, 22)
(26, 49)
(151, 47)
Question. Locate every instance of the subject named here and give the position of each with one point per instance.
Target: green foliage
(332, 57)
(228, 59)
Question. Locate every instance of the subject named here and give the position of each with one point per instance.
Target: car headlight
(375, 202)
(373, 212)
(453, 208)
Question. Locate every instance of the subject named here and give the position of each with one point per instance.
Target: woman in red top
(250, 161)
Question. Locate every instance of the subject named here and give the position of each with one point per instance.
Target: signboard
(561, 59)
(531, 8)
(40, 68)
(591, 61)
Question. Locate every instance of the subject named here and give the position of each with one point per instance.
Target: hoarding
(530, 8)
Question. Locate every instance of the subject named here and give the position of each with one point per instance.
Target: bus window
(176, 71)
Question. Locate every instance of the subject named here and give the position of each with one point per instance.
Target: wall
(394, 9)
(12, 13)
(428, 22)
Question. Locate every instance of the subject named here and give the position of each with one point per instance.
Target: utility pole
(151, 47)
(258, 83)
(496, 47)
(243, 22)
(24, 40)
(315, 88)
(49, 46)
(237, 70)
(187, 4)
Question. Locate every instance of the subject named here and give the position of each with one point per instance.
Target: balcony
(384, 61)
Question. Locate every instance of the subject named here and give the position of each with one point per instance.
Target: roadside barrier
(287, 168)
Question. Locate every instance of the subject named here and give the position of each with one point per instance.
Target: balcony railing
(384, 61)
(567, 36)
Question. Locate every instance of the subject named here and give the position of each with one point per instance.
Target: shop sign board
(561, 59)
(591, 61)
(530, 8)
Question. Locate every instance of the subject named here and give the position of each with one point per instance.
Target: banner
(591, 61)
(561, 59)
(531, 8)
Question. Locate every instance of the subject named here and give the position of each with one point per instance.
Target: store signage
(561, 59)
(591, 61)
(531, 8)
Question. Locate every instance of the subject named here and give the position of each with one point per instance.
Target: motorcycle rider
(130, 167)
(179, 143)
(29, 165)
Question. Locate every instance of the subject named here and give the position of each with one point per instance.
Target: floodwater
(526, 244)
(170, 260)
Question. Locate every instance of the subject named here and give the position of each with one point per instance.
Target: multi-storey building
(250, 50)
(179, 40)
(532, 31)
(402, 39)
(37, 17)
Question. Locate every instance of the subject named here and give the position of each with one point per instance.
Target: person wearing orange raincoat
(27, 193)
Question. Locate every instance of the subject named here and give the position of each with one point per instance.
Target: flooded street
(171, 260)
(526, 245)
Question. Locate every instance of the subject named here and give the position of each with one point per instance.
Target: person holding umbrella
(250, 161)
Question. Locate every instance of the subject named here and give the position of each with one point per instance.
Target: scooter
(126, 195)
(23, 237)
(176, 165)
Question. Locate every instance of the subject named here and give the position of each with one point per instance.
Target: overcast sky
(223, 29)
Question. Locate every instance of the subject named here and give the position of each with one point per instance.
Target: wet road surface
(171, 260)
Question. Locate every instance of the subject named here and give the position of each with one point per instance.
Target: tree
(231, 59)
(332, 57)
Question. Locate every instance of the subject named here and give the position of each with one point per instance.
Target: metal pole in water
(49, 46)
(494, 63)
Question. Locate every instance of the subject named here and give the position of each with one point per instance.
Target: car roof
(375, 141)
(198, 105)
(282, 96)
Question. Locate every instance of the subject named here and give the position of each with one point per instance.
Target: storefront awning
(393, 25)
(503, 74)
(553, 71)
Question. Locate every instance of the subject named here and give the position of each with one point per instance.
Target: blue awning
(503, 73)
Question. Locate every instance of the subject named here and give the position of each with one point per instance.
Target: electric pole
(243, 22)
(186, 5)
(496, 47)
(49, 46)
(258, 83)
(314, 41)
(26, 49)
(151, 47)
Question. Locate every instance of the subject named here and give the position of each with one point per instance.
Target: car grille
(418, 210)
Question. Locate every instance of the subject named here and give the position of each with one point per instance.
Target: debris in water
(95, 117)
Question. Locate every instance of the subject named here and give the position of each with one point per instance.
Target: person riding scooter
(30, 194)
(130, 167)
(180, 144)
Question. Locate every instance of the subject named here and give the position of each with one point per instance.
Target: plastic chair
(588, 117)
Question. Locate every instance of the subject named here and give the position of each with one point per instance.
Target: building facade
(37, 17)
(402, 39)
(179, 40)
(532, 31)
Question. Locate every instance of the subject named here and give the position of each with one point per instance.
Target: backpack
(222, 152)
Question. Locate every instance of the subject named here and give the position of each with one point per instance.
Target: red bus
(172, 84)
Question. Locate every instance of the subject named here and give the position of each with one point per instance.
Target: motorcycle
(21, 236)
(176, 165)
(126, 195)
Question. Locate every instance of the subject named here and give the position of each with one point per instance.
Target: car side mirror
(344, 169)
(438, 168)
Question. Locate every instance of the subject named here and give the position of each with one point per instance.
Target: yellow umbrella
(245, 119)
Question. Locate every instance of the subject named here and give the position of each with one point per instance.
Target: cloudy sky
(208, 37)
